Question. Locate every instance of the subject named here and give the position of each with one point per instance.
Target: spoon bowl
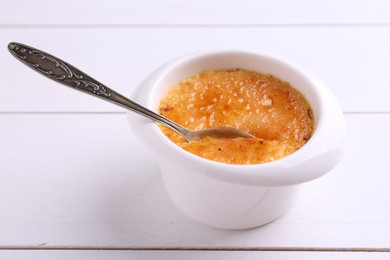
(64, 73)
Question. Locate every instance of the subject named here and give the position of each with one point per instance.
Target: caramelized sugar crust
(270, 109)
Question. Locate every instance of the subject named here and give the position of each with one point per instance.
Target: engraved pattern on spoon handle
(58, 70)
(62, 72)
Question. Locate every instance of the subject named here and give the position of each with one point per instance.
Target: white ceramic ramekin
(239, 196)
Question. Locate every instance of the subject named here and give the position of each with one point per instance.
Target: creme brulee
(270, 109)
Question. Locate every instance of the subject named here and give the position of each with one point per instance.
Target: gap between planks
(205, 249)
(169, 25)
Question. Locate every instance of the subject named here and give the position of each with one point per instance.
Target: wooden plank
(82, 181)
(203, 12)
(125, 255)
(352, 61)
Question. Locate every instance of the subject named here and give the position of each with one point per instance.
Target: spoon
(64, 73)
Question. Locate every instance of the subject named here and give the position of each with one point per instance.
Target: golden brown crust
(261, 104)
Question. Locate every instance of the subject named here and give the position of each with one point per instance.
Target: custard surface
(270, 109)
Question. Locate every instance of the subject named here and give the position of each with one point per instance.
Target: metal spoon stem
(64, 73)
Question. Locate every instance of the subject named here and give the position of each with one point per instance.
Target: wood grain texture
(82, 181)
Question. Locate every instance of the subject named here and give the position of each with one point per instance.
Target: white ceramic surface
(239, 196)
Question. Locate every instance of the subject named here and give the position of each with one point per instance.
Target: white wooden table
(75, 184)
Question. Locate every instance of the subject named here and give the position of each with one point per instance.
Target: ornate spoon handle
(62, 72)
